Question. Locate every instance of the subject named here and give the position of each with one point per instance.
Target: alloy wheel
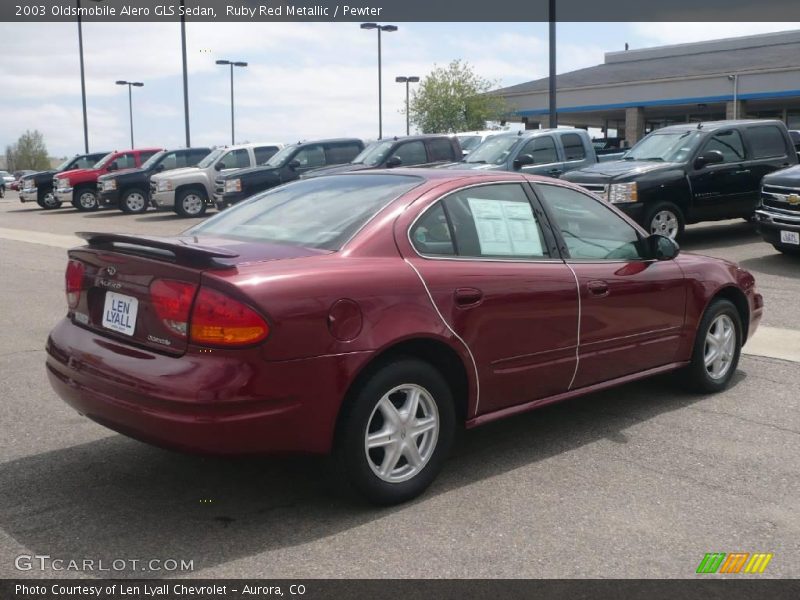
(50, 201)
(87, 200)
(665, 222)
(401, 433)
(135, 202)
(192, 204)
(720, 347)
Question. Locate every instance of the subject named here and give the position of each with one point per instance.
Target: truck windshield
(211, 158)
(494, 150)
(280, 157)
(154, 160)
(374, 154)
(667, 147)
(100, 163)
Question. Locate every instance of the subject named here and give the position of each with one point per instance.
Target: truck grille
(152, 188)
(601, 189)
(781, 198)
(219, 187)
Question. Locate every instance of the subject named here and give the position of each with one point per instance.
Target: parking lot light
(407, 80)
(130, 84)
(232, 63)
(388, 29)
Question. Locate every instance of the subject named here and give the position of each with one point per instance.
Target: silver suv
(190, 190)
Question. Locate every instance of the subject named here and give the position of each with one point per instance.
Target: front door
(491, 271)
(546, 161)
(632, 308)
(721, 190)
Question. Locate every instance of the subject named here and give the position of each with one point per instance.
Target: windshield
(211, 158)
(374, 154)
(70, 161)
(101, 163)
(668, 147)
(493, 150)
(280, 157)
(153, 160)
(468, 142)
(318, 213)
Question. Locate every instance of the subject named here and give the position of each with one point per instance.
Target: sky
(305, 80)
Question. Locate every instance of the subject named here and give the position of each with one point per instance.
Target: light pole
(232, 64)
(380, 28)
(131, 85)
(407, 80)
(83, 81)
(553, 115)
(735, 79)
(185, 75)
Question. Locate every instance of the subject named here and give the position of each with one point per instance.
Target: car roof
(468, 175)
(327, 141)
(713, 125)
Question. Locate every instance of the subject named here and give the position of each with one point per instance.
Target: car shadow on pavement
(725, 235)
(779, 264)
(116, 498)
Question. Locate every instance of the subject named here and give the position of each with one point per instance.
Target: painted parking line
(774, 342)
(41, 237)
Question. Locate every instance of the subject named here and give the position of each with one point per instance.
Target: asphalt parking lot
(639, 481)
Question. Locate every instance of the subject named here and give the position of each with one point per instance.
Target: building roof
(727, 56)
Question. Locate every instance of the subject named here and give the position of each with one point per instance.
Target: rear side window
(766, 141)
(339, 154)
(441, 149)
(411, 153)
(573, 147)
(264, 153)
(322, 212)
(542, 149)
(431, 234)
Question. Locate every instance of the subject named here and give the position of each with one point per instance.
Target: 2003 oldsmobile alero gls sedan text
(369, 314)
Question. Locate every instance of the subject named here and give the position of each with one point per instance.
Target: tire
(133, 201)
(721, 316)
(85, 200)
(191, 203)
(666, 219)
(48, 200)
(366, 415)
(787, 250)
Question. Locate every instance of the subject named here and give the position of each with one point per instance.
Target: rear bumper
(220, 402)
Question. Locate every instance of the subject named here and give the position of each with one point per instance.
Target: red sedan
(369, 314)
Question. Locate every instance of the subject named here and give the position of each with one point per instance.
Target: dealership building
(636, 91)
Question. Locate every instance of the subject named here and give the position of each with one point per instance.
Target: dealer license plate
(119, 313)
(790, 237)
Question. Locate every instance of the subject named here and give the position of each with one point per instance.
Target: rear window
(319, 213)
(766, 141)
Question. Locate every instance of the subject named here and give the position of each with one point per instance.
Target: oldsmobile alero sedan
(368, 315)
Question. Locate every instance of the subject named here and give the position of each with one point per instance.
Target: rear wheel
(716, 348)
(190, 203)
(665, 219)
(397, 432)
(133, 201)
(85, 199)
(48, 200)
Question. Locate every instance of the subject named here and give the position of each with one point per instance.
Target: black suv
(690, 173)
(38, 187)
(411, 151)
(778, 217)
(287, 165)
(129, 189)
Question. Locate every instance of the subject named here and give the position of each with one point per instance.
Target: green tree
(454, 98)
(29, 152)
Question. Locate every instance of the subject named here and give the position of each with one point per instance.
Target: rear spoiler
(180, 250)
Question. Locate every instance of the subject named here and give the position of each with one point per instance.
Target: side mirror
(294, 164)
(394, 161)
(711, 157)
(662, 247)
(219, 166)
(159, 167)
(522, 160)
(113, 166)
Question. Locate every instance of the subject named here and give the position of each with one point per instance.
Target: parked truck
(778, 214)
(38, 187)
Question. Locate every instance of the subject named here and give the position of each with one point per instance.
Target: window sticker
(505, 228)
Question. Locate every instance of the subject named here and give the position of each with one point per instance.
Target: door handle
(554, 172)
(742, 172)
(466, 297)
(597, 288)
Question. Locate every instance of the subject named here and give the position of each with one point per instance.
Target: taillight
(220, 320)
(74, 282)
(172, 301)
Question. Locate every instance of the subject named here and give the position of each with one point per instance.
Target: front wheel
(48, 200)
(133, 202)
(716, 348)
(191, 203)
(85, 200)
(665, 219)
(397, 432)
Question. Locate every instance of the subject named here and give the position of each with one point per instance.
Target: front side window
(411, 153)
(492, 221)
(173, 160)
(310, 157)
(126, 161)
(235, 159)
(573, 147)
(766, 141)
(729, 143)
(318, 213)
(542, 149)
(591, 230)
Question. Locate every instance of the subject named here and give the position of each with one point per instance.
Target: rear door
(494, 275)
(632, 308)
